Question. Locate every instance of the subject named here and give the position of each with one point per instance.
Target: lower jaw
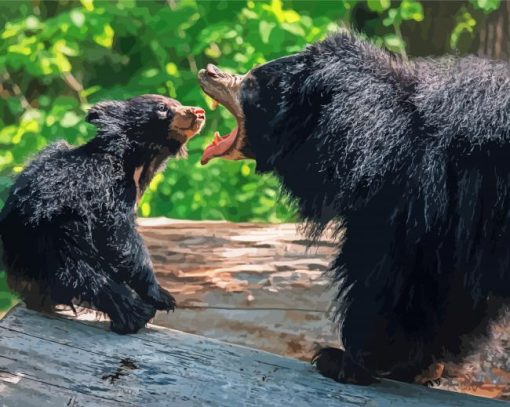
(222, 147)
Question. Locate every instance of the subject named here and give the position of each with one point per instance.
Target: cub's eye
(162, 107)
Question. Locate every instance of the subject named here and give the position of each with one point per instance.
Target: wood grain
(49, 360)
(252, 284)
(263, 286)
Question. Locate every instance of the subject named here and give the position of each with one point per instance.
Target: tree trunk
(431, 37)
(493, 34)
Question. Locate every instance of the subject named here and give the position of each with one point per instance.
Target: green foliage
(378, 5)
(406, 10)
(486, 5)
(6, 298)
(465, 25)
(59, 57)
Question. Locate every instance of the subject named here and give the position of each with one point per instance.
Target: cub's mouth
(224, 88)
(187, 122)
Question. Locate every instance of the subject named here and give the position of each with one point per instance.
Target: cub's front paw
(161, 299)
(131, 318)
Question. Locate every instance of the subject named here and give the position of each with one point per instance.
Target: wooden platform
(252, 284)
(49, 360)
(262, 286)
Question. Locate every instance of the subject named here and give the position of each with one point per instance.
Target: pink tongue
(219, 148)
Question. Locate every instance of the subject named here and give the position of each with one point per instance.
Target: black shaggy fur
(68, 226)
(414, 158)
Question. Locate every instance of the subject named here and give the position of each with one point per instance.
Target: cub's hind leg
(78, 280)
(132, 260)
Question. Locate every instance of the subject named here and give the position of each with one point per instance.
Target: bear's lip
(221, 146)
(224, 89)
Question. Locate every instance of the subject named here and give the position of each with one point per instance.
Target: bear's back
(62, 181)
(466, 98)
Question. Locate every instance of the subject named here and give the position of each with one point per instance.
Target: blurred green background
(59, 57)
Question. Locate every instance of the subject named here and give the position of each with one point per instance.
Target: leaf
(295, 29)
(62, 46)
(70, 119)
(145, 209)
(465, 24)
(20, 49)
(245, 170)
(105, 38)
(290, 16)
(265, 29)
(486, 5)
(10, 30)
(392, 18)
(87, 4)
(411, 10)
(77, 17)
(171, 69)
(32, 23)
(62, 63)
(393, 42)
(378, 5)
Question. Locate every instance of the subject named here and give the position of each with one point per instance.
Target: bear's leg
(127, 311)
(78, 280)
(410, 344)
(337, 364)
(145, 284)
(375, 344)
(382, 332)
(140, 274)
(30, 291)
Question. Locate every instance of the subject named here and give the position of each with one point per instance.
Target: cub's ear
(103, 112)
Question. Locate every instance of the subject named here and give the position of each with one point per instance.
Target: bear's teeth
(217, 138)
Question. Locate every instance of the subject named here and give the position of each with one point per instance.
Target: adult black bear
(68, 226)
(414, 158)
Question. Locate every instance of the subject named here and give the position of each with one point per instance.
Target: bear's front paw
(335, 364)
(132, 318)
(161, 299)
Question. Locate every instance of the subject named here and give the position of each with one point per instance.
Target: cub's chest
(143, 175)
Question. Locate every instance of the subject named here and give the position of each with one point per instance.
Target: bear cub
(68, 226)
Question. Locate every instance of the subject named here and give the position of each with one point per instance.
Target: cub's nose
(198, 112)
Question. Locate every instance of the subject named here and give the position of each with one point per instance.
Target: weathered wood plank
(36, 393)
(258, 285)
(252, 284)
(50, 360)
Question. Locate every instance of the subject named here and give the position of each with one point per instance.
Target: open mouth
(187, 121)
(221, 146)
(198, 122)
(224, 88)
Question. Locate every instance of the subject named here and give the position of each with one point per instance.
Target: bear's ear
(103, 111)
